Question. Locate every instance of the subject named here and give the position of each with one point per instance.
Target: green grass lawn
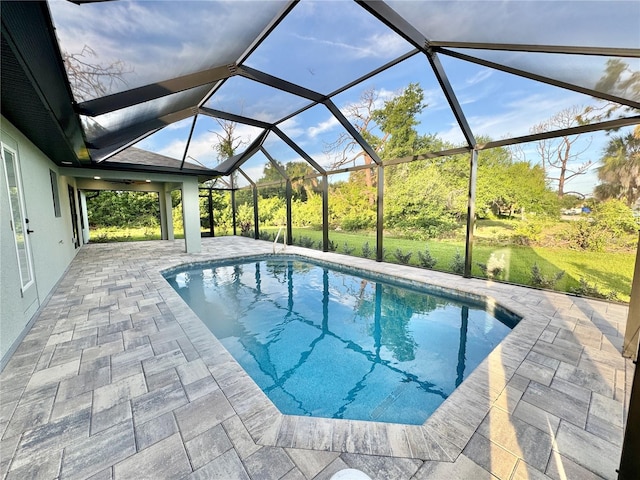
(608, 271)
(127, 234)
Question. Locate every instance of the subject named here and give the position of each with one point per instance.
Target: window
(55, 192)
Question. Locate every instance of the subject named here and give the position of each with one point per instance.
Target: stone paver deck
(118, 379)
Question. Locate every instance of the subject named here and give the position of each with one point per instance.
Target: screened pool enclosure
(290, 83)
(247, 96)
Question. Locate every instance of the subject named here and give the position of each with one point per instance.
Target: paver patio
(118, 379)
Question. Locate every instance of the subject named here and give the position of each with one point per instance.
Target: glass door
(19, 221)
(74, 217)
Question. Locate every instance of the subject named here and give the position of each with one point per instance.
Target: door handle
(29, 231)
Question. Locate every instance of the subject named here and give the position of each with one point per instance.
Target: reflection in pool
(327, 343)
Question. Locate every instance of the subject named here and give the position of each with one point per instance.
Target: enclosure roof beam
(117, 101)
(352, 131)
(394, 21)
(426, 156)
(298, 150)
(232, 163)
(539, 78)
(271, 26)
(280, 84)
(186, 147)
(375, 72)
(254, 45)
(232, 117)
(561, 49)
(275, 164)
(447, 89)
(138, 129)
(251, 182)
(126, 145)
(565, 132)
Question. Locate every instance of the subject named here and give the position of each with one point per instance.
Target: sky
(324, 45)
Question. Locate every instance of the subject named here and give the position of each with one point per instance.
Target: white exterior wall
(51, 243)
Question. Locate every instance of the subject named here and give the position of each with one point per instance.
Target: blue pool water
(329, 343)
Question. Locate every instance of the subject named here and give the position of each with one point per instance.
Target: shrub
(246, 229)
(527, 233)
(358, 221)
(367, 251)
(615, 217)
(102, 237)
(541, 281)
(306, 242)
(347, 249)
(426, 259)
(610, 222)
(587, 290)
(333, 246)
(457, 264)
(401, 257)
(585, 235)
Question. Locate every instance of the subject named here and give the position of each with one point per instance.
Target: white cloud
(388, 44)
(379, 45)
(516, 117)
(323, 127)
(290, 127)
(479, 77)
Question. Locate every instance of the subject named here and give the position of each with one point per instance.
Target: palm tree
(620, 170)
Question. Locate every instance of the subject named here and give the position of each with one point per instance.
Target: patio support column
(256, 217)
(471, 213)
(632, 332)
(288, 202)
(166, 213)
(629, 459)
(210, 211)
(191, 215)
(233, 209)
(380, 215)
(325, 213)
(85, 217)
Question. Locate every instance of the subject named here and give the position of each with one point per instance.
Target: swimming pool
(323, 341)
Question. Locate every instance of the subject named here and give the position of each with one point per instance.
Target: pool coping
(444, 434)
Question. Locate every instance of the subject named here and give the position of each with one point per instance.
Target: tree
(515, 187)
(345, 150)
(227, 142)
(349, 207)
(617, 79)
(301, 187)
(559, 154)
(420, 199)
(92, 80)
(620, 170)
(123, 209)
(396, 120)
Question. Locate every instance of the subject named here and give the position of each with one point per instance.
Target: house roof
(136, 158)
(188, 62)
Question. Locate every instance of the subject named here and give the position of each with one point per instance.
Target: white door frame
(19, 222)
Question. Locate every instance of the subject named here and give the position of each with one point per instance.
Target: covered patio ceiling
(171, 63)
